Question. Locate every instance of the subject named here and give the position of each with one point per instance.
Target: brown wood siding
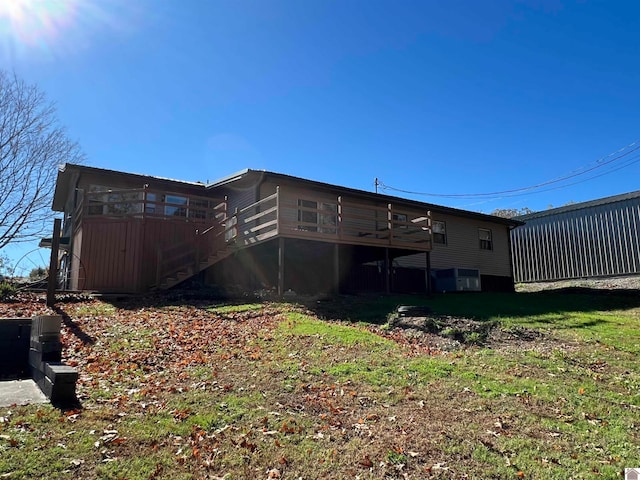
(122, 256)
(237, 197)
(105, 256)
(463, 248)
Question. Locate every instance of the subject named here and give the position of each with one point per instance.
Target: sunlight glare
(56, 28)
(35, 22)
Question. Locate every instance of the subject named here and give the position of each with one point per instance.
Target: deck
(181, 235)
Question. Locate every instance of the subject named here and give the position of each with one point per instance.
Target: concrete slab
(20, 392)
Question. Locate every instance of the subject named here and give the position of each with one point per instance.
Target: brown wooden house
(258, 230)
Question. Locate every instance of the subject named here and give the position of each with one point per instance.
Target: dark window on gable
(486, 242)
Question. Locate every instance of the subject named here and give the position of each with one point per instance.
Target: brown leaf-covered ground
(187, 390)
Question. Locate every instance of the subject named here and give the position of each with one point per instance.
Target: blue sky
(455, 97)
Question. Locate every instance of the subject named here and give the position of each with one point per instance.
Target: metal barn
(598, 238)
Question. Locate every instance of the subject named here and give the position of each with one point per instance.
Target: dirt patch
(447, 334)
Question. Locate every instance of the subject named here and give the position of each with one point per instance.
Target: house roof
(582, 205)
(257, 174)
(66, 177)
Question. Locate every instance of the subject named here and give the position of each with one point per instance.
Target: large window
(317, 216)
(107, 201)
(486, 242)
(439, 232)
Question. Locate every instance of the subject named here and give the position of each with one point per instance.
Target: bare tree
(32, 145)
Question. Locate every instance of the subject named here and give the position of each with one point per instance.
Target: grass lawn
(526, 385)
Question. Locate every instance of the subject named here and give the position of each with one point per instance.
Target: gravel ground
(631, 282)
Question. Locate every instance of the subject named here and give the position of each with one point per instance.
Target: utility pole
(376, 183)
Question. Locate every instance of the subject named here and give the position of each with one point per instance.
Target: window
(440, 232)
(174, 209)
(323, 216)
(107, 201)
(306, 215)
(399, 220)
(486, 243)
(198, 208)
(150, 205)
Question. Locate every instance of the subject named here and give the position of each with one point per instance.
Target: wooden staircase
(177, 263)
(249, 226)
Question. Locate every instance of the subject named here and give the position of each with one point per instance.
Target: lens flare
(59, 27)
(32, 22)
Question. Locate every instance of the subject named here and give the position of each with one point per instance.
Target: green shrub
(7, 291)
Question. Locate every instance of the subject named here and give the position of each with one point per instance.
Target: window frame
(323, 214)
(485, 243)
(436, 235)
(400, 220)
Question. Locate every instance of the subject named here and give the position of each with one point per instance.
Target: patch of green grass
(396, 458)
(226, 309)
(332, 332)
(95, 309)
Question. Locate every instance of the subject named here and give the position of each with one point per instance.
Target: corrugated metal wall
(601, 240)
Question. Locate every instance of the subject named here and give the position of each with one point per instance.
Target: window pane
(439, 232)
(307, 213)
(329, 220)
(150, 206)
(174, 210)
(485, 239)
(198, 208)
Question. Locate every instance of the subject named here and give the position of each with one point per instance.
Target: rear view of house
(259, 230)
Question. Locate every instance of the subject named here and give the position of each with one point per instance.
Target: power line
(607, 160)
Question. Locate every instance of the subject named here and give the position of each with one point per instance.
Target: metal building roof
(579, 206)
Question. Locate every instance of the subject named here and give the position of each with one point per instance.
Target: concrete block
(63, 393)
(35, 360)
(47, 346)
(46, 337)
(45, 324)
(60, 373)
(46, 386)
(36, 357)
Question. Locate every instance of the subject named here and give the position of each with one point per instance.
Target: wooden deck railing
(339, 221)
(349, 221)
(146, 203)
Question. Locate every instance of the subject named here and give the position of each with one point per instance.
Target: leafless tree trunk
(32, 146)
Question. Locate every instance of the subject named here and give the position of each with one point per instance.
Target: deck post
(427, 272)
(339, 226)
(278, 210)
(429, 283)
(336, 269)
(53, 263)
(390, 222)
(280, 266)
(197, 253)
(387, 271)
